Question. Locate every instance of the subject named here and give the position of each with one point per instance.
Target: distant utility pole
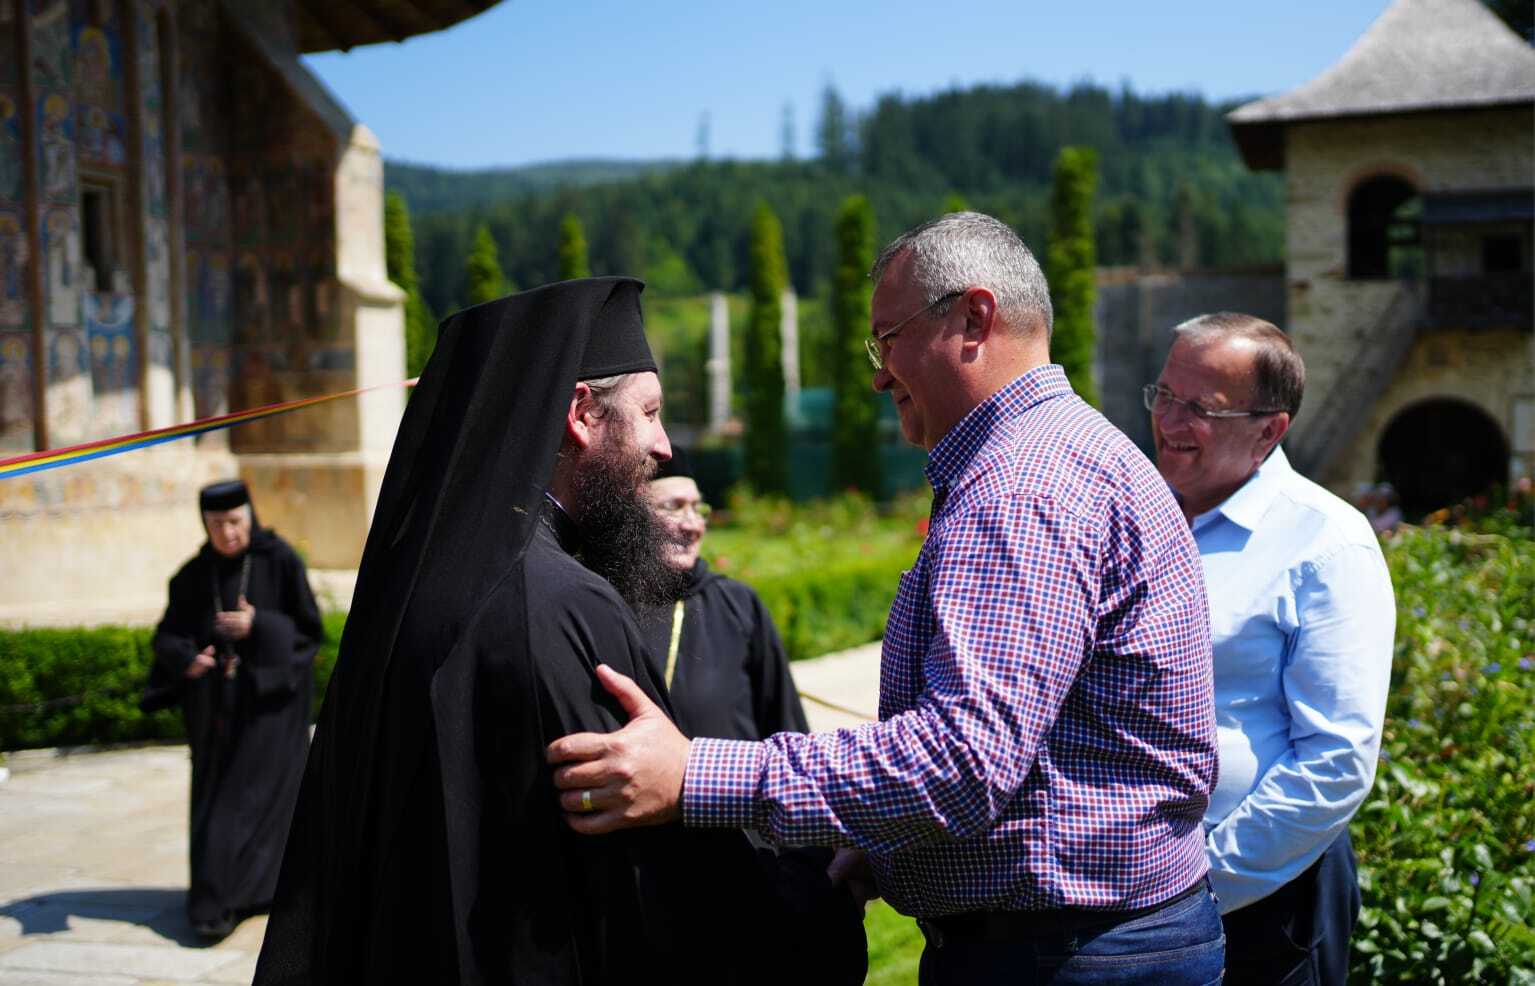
(786, 132)
(703, 136)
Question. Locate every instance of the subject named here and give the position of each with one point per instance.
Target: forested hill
(1172, 191)
(430, 189)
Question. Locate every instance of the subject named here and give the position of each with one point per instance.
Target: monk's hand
(633, 777)
(202, 662)
(235, 624)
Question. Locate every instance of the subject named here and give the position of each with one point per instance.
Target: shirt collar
(954, 451)
(1246, 507)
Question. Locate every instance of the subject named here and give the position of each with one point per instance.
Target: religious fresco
(16, 391)
(17, 407)
(12, 152)
(160, 364)
(257, 244)
(114, 363)
(67, 399)
(99, 88)
(207, 210)
(13, 272)
(64, 268)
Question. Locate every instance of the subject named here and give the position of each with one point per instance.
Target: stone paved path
(93, 856)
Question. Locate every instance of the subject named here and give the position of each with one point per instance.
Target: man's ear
(579, 419)
(980, 307)
(1274, 430)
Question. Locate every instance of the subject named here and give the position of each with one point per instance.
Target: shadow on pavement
(160, 909)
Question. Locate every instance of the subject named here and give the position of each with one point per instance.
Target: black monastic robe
(248, 733)
(428, 845)
(731, 676)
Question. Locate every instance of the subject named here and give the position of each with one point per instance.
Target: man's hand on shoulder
(632, 777)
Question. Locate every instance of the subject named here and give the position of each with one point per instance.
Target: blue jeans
(1180, 945)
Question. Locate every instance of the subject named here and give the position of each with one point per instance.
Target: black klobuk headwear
(677, 465)
(224, 495)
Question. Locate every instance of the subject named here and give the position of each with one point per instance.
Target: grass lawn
(895, 946)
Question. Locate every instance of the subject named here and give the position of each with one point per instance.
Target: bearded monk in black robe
(236, 649)
(428, 845)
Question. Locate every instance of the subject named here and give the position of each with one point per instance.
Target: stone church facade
(190, 224)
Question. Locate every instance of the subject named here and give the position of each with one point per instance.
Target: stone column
(789, 333)
(718, 366)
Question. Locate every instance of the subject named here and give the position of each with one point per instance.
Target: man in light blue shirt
(1302, 617)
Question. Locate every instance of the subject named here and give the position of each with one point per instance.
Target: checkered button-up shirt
(1046, 734)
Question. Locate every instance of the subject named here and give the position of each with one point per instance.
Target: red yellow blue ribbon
(21, 465)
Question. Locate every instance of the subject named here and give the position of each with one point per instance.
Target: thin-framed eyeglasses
(1160, 400)
(875, 345)
(677, 509)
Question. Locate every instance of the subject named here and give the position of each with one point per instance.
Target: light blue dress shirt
(1302, 617)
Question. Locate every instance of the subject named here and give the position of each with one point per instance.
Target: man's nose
(882, 380)
(662, 449)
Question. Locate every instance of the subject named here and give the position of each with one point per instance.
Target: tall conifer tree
(855, 437)
(486, 281)
(400, 263)
(573, 254)
(767, 437)
(1070, 264)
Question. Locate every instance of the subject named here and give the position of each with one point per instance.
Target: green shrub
(62, 687)
(1447, 858)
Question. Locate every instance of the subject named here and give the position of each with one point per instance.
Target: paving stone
(138, 961)
(239, 973)
(35, 977)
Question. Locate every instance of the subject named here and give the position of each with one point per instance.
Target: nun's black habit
(247, 732)
(428, 846)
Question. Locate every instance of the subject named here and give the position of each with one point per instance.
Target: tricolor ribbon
(21, 465)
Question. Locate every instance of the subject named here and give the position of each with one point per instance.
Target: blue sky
(541, 80)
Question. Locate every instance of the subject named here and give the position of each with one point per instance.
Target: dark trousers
(1176, 945)
(1298, 935)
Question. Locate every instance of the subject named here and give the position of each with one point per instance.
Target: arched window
(1383, 235)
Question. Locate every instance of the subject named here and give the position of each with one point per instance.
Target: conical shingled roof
(1419, 55)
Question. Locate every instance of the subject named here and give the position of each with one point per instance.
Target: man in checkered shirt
(1034, 789)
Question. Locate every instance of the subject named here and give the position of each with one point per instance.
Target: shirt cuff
(719, 789)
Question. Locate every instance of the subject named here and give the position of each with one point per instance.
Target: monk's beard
(621, 538)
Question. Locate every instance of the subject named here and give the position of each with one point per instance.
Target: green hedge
(77, 686)
(62, 687)
(839, 605)
(1447, 842)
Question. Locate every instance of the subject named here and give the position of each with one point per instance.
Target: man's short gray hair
(1280, 372)
(966, 249)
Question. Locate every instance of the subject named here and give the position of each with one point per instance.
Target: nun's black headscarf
(458, 508)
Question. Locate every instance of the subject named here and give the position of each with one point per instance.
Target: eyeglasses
(875, 345)
(677, 509)
(1160, 400)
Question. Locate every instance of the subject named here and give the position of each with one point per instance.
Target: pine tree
(573, 260)
(400, 262)
(855, 437)
(486, 282)
(1070, 266)
(767, 437)
(834, 132)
